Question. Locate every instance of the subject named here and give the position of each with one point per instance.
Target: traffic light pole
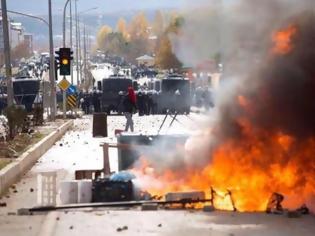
(64, 97)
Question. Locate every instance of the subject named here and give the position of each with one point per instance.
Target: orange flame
(252, 169)
(252, 165)
(283, 40)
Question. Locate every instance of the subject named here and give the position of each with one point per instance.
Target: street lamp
(28, 15)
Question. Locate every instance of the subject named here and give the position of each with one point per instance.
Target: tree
(158, 24)
(175, 25)
(138, 27)
(116, 44)
(22, 50)
(165, 58)
(122, 28)
(101, 36)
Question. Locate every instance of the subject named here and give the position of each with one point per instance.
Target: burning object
(274, 204)
(264, 133)
(105, 190)
(180, 196)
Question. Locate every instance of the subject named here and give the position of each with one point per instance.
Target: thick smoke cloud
(274, 93)
(242, 34)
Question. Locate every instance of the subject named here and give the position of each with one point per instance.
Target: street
(79, 150)
(170, 118)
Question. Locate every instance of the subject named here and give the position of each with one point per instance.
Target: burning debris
(274, 204)
(264, 139)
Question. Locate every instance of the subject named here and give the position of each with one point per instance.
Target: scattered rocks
(149, 207)
(24, 212)
(119, 229)
(71, 227)
(31, 190)
(60, 144)
(3, 204)
(57, 219)
(159, 225)
(15, 191)
(11, 213)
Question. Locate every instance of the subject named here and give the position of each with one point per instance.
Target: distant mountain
(104, 6)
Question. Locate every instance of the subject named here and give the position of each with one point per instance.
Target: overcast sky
(41, 6)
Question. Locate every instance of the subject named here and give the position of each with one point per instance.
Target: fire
(283, 40)
(263, 141)
(252, 169)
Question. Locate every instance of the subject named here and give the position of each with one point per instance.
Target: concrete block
(149, 207)
(177, 196)
(23, 212)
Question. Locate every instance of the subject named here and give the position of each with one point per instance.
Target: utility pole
(71, 44)
(77, 41)
(84, 55)
(51, 67)
(7, 51)
(64, 95)
(80, 53)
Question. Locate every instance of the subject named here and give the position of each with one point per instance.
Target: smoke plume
(263, 137)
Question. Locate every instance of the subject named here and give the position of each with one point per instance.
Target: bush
(16, 119)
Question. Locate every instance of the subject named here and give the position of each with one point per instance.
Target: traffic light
(64, 58)
(56, 69)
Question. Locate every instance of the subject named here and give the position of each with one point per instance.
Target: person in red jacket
(130, 107)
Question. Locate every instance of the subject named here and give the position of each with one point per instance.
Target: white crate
(46, 188)
(69, 192)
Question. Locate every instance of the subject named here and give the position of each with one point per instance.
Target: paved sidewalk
(76, 150)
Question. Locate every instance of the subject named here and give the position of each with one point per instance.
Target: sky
(104, 6)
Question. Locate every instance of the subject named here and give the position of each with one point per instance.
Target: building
(28, 40)
(16, 37)
(16, 34)
(145, 60)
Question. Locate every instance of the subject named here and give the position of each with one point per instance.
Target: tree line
(139, 36)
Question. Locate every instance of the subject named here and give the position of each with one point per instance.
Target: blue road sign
(71, 90)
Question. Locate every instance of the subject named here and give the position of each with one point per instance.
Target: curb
(15, 170)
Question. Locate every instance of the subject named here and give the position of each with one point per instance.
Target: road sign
(71, 90)
(72, 101)
(64, 84)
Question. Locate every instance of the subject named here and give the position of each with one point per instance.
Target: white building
(146, 60)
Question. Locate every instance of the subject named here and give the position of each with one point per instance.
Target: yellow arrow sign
(64, 84)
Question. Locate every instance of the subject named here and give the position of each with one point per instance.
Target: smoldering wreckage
(257, 156)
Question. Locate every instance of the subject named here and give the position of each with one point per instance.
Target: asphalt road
(78, 149)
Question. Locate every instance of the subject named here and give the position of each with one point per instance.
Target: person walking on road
(129, 104)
